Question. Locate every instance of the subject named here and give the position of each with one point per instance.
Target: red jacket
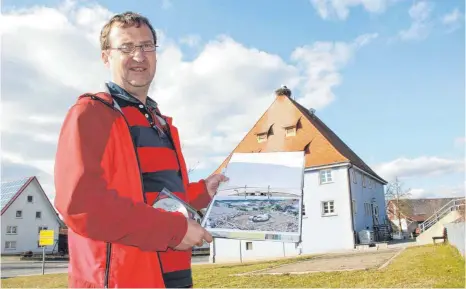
(114, 237)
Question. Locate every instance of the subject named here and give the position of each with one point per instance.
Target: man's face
(131, 70)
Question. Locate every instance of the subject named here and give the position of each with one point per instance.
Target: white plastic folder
(262, 200)
(168, 201)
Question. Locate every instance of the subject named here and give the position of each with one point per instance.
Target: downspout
(213, 250)
(351, 204)
(240, 253)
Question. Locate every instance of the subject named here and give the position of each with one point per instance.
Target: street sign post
(46, 238)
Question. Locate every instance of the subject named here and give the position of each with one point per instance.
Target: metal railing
(453, 205)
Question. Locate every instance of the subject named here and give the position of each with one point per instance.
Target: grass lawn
(424, 266)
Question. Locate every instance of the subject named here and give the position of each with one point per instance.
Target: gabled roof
(420, 209)
(11, 190)
(323, 147)
(345, 150)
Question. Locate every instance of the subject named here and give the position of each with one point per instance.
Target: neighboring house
(412, 212)
(342, 194)
(25, 211)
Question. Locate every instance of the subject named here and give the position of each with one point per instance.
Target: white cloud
(167, 4)
(321, 63)
(440, 192)
(451, 17)
(406, 168)
(191, 40)
(340, 9)
(460, 142)
(421, 25)
(51, 55)
(452, 20)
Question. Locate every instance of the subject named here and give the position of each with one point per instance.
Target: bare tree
(192, 168)
(397, 195)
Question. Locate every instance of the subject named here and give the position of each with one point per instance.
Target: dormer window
(290, 131)
(291, 127)
(264, 133)
(262, 137)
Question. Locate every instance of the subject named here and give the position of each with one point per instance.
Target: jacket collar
(117, 91)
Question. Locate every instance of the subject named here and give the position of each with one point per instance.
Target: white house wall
(326, 233)
(321, 233)
(27, 235)
(240, 251)
(366, 190)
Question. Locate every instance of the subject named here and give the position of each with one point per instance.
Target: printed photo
(269, 216)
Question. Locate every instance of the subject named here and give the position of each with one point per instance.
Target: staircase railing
(453, 205)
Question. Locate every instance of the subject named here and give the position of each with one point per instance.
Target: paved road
(23, 268)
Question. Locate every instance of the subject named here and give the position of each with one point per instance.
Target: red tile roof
(322, 145)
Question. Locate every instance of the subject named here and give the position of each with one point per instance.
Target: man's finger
(207, 236)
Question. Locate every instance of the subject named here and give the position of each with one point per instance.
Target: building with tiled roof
(342, 194)
(410, 213)
(25, 210)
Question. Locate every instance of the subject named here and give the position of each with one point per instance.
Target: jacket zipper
(109, 245)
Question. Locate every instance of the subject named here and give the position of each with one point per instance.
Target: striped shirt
(157, 157)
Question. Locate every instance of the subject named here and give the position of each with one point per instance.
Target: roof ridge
(244, 136)
(325, 131)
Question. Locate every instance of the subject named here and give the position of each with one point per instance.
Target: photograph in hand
(257, 218)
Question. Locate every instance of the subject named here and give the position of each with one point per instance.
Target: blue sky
(400, 103)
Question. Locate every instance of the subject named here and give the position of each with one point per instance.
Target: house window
(38, 215)
(367, 209)
(10, 245)
(29, 199)
(354, 207)
(12, 230)
(370, 183)
(328, 208)
(364, 181)
(42, 228)
(248, 246)
(355, 180)
(262, 137)
(19, 214)
(325, 176)
(290, 131)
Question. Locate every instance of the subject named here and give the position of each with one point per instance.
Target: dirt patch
(336, 262)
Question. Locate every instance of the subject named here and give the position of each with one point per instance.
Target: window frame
(10, 248)
(323, 208)
(326, 173)
(9, 230)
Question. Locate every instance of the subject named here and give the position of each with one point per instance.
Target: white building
(25, 211)
(342, 195)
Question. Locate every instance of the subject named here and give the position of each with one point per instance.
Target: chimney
(283, 90)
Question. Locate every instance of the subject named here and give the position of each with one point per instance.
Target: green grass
(425, 266)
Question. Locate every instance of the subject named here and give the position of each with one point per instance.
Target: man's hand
(213, 182)
(195, 236)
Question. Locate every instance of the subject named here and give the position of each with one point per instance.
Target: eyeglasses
(131, 48)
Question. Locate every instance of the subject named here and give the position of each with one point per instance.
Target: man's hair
(126, 19)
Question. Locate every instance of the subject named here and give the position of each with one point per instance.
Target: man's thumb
(207, 236)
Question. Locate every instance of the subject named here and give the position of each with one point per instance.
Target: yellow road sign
(46, 238)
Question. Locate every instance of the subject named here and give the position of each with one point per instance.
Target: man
(115, 153)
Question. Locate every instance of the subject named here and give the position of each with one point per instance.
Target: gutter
(351, 204)
(341, 164)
